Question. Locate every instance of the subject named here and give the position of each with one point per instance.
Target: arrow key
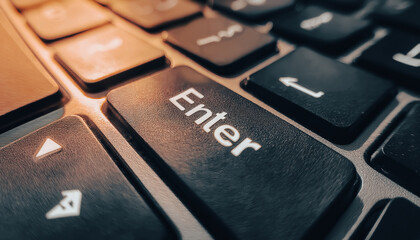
(60, 183)
(330, 98)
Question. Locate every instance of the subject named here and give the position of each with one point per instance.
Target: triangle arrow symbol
(69, 206)
(48, 148)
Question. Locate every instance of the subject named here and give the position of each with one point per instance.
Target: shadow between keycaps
(131, 177)
(369, 220)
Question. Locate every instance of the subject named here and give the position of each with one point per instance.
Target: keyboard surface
(230, 119)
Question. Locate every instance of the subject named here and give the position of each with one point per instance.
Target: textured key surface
(399, 155)
(59, 183)
(396, 56)
(398, 220)
(25, 88)
(250, 9)
(58, 19)
(290, 187)
(331, 98)
(99, 57)
(322, 29)
(152, 14)
(221, 44)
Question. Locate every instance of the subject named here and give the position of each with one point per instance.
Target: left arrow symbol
(69, 206)
(48, 148)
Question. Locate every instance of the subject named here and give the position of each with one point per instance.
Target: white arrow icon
(69, 206)
(47, 148)
(292, 82)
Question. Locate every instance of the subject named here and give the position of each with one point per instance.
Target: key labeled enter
(333, 99)
(245, 173)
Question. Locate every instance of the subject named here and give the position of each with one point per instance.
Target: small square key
(399, 155)
(344, 5)
(396, 56)
(222, 45)
(98, 57)
(398, 219)
(401, 13)
(154, 14)
(331, 98)
(59, 19)
(250, 9)
(331, 32)
(24, 4)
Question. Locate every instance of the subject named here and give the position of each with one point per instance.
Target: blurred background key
(397, 56)
(322, 29)
(25, 88)
(154, 14)
(252, 9)
(399, 13)
(59, 19)
(24, 4)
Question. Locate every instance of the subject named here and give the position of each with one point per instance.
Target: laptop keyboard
(232, 119)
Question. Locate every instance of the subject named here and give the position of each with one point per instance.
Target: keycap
(244, 172)
(26, 89)
(59, 19)
(104, 56)
(398, 156)
(325, 30)
(397, 56)
(24, 4)
(220, 44)
(399, 219)
(155, 14)
(399, 13)
(60, 183)
(330, 98)
(251, 9)
(345, 5)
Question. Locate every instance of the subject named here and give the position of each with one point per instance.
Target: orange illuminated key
(100, 57)
(26, 90)
(24, 4)
(153, 14)
(58, 19)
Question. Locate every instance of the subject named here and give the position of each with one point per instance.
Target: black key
(221, 44)
(345, 5)
(399, 219)
(329, 97)
(399, 156)
(251, 9)
(91, 56)
(244, 172)
(57, 19)
(60, 183)
(319, 28)
(396, 56)
(24, 4)
(400, 13)
(26, 89)
(155, 14)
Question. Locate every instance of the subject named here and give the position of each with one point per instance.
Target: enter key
(243, 172)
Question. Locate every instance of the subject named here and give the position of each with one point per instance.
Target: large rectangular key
(242, 171)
